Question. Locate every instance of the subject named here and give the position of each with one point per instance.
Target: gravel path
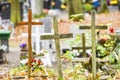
(12, 58)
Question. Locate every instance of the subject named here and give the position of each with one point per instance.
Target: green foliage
(75, 41)
(51, 72)
(75, 7)
(75, 73)
(103, 7)
(68, 55)
(117, 66)
(60, 78)
(76, 17)
(78, 40)
(88, 7)
(105, 47)
(112, 46)
(113, 57)
(16, 71)
(102, 50)
(40, 15)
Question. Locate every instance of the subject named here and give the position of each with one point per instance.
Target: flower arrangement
(35, 63)
(23, 45)
(37, 70)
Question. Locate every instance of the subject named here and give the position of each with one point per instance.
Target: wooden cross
(57, 36)
(29, 23)
(92, 27)
(84, 40)
(83, 45)
(93, 46)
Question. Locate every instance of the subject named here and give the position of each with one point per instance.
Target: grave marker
(92, 27)
(38, 44)
(93, 46)
(29, 23)
(83, 37)
(47, 22)
(82, 29)
(57, 36)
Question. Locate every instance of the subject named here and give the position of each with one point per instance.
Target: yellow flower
(63, 6)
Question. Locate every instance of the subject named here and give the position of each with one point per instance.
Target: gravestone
(47, 24)
(5, 10)
(57, 36)
(45, 29)
(39, 44)
(47, 4)
(36, 42)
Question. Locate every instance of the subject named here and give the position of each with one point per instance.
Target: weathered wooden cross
(93, 46)
(29, 23)
(92, 27)
(57, 36)
(84, 47)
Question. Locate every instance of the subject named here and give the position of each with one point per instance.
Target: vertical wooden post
(93, 45)
(57, 43)
(84, 47)
(29, 23)
(57, 36)
(29, 42)
(83, 44)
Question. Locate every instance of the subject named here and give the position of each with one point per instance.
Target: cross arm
(33, 23)
(37, 23)
(97, 27)
(57, 36)
(77, 48)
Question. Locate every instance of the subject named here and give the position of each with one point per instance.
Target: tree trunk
(104, 7)
(70, 8)
(15, 11)
(74, 7)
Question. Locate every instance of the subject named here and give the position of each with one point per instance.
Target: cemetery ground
(13, 55)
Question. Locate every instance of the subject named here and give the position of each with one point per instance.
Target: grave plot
(104, 50)
(84, 70)
(29, 23)
(37, 31)
(37, 64)
(41, 48)
(57, 36)
(34, 67)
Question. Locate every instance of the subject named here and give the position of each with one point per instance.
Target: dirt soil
(64, 24)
